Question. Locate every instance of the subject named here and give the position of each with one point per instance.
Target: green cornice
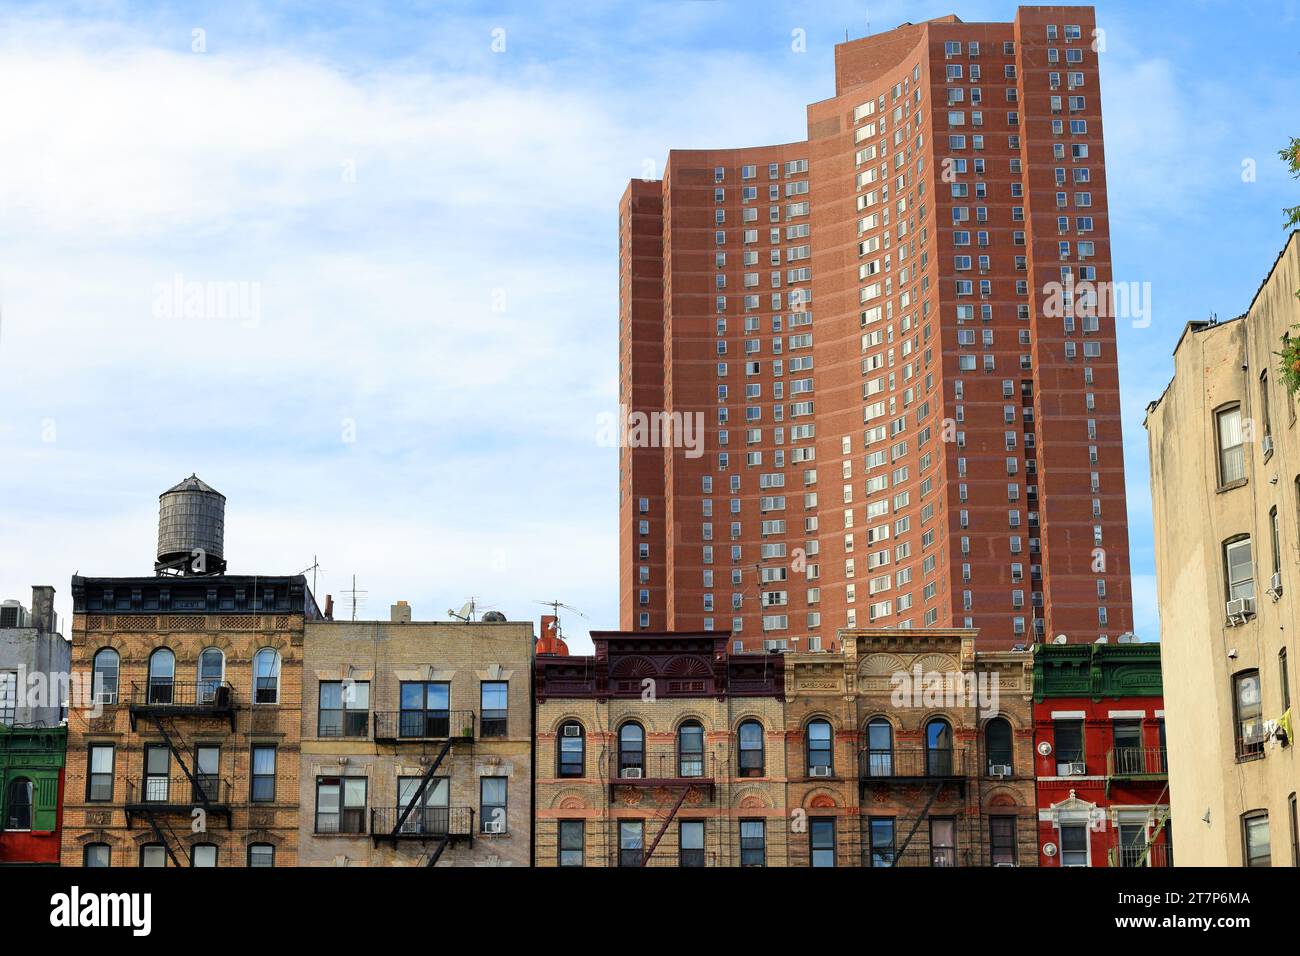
(1097, 670)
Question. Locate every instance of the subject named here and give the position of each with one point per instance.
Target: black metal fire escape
(162, 704)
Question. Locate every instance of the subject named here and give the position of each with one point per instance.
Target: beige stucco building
(416, 743)
(1225, 480)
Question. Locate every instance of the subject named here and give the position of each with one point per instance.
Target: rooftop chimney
(43, 616)
(329, 607)
(400, 613)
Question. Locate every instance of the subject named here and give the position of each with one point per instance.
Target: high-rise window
(570, 843)
(1256, 850)
(821, 841)
(571, 750)
(1002, 841)
(1248, 713)
(494, 696)
(1074, 844)
(1232, 457)
(753, 843)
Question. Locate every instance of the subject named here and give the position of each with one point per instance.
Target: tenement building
(910, 748)
(865, 378)
(416, 742)
(661, 749)
(33, 732)
(1225, 487)
(1099, 740)
(186, 754)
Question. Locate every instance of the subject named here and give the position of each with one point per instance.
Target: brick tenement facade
(383, 701)
(929, 772)
(660, 744)
(907, 422)
(1099, 737)
(785, 759)
(200, 680)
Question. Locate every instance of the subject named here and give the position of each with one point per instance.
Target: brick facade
(382, 748)
(124, 817)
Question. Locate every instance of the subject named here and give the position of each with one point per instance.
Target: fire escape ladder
(1159, 827)
(199, 792)
(916, 824)
(419, 791)
(437, 850)
(681, 798)
(157, 826)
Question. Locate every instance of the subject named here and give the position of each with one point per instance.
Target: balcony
(1156, 854)
(413, 726)
(178, 795)
(422, 823)
(170, 698)
(910, 765)
(915, 856)
(1135, 765)
(663, 769)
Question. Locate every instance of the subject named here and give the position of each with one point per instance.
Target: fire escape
(933, 769)
(669, 777)
(415, 819)
(169, 707)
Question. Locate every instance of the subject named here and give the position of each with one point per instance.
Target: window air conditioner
(820, 772)
(572, 730)
(494, 826)
(630, 773)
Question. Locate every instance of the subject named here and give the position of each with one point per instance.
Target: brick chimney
(400, 613)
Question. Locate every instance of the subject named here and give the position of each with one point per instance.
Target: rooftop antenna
(466, 612)
(313, 568)
(355, 594)
(555, 610)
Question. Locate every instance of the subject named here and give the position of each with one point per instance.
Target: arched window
(631, 750)
(880, 748)
(105, 675)
(997, 747)
(96, 855)
(162, 676)
(212, 671)
(18, 804)
(261, 854)
(690, 749)
(751, 749)
(266, 676)
(203, 854)
(821, 761)
(938, 748)
(572, 750)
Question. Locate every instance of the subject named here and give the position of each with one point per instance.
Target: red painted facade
(909, 435)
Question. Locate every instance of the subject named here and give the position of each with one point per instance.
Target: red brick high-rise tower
(906, 423)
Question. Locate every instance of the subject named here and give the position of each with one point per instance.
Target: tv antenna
(356, 596)
(313, 568)
(466, 612)
(555, 611)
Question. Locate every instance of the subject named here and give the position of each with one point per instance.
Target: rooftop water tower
(191, 529)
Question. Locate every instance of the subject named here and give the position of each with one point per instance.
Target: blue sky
(420, 203)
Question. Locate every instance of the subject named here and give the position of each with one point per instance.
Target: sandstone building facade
(416, 743)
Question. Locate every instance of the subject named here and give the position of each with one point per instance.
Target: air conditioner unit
(1268, 444)
(999, 770)
(494, 826)
(572, 730)
(820, 772)
(1275, 583)
(1076, 769)
(1240, 608)
(630, 773)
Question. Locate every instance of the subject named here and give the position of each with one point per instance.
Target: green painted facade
(37, 754)
(1097, 670)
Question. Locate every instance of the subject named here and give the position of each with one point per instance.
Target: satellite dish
(1044, 749)
(1049, 849)
(1060, 639)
